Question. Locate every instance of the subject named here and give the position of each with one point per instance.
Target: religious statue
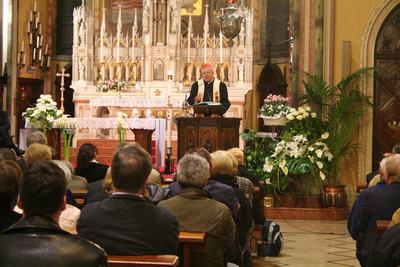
(174, 20)
(81, 34)
(81, 69)
(111, 72)
(119, 72)
(240, 71)
(146, 18)
(241, 35)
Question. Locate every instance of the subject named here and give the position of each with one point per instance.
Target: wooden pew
(382, 226)
(145, 261)
(79, 195)
(191, 242)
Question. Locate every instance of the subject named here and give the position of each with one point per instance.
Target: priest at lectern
(209, 89)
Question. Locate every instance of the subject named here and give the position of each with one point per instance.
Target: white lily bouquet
(43, 114)
(67, 127)
(122, 125)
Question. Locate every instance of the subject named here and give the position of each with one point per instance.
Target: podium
(207, 109)
(212, 133)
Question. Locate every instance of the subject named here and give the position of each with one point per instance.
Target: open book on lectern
(208, 108)
(208, 104)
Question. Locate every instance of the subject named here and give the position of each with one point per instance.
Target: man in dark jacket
(375, 203)
(37, 240)
(124, 223)
(5, 138)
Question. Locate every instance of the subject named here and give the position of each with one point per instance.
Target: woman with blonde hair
(37, 152)
(224, 170)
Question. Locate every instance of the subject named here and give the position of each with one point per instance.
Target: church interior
(310, 91)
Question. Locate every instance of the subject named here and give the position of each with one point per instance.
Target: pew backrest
(143, 261)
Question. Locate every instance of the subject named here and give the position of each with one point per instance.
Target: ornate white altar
(156, 61)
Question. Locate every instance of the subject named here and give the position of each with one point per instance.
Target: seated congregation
(380, 201)
(127, 209)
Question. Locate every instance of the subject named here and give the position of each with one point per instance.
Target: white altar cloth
(159, 126)
(134, 103)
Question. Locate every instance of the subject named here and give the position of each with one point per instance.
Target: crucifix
(62, 89)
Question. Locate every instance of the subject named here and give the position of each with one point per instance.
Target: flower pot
(274, 121)
(269, 201)
(334, 196)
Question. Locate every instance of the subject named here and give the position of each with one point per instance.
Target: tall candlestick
(220, 47)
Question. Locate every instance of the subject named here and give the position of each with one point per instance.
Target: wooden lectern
(212, 133)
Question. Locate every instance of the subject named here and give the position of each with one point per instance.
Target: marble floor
(313, 243)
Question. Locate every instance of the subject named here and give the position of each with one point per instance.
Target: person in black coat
(5, 137)
(125, 223)
(378, 203)
(9, 177)
(87, 166)
(37, 240)
(209, 89)
(387, 252)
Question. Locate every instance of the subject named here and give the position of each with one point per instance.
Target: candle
(30, 39)
(40, 28)
(40, 54)
(37, 41)
(34, 54)
(19, 58)
(35, 6)
(46, 49)
(220, 47)
(38, 16)
(24, 59)
(28, 28)
(41, 62)
(30, 16)
(48, 62)
(22, 46)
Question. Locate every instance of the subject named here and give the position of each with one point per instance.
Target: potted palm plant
(340, 106)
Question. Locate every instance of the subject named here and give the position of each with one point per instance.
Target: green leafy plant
(257, 149)
(340, 106)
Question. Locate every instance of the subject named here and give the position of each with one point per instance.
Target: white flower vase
(274, 121)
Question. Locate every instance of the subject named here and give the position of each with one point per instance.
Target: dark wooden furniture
(211, 133)
(143, 138)
(382, 226)
(145, 261)
(79, 195)
(191, 242)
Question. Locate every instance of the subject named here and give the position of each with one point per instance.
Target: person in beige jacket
(196, 211)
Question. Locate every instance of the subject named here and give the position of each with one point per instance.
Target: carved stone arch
(386, 86)
(158, 70)
(367, 59)
(271, 81)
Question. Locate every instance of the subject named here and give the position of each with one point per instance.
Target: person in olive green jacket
(196, 211)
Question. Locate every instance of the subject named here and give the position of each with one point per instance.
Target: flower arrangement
(275, 106)
(122, 125)
(43, 114)
(111, 85)
(302, 151)
(67, 126)
(295, 157)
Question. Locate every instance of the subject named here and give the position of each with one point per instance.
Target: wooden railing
(145, 261)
